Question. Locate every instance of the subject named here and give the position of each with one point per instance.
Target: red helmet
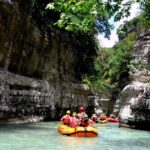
(81, 109)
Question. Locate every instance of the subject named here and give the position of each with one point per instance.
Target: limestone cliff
(135, 109)
(40, 67)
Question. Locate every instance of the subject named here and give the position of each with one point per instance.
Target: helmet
(74, 114)
(68, 112)
(85, 115)
(81, 109)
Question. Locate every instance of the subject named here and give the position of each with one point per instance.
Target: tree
(89, 15)
(112, 66)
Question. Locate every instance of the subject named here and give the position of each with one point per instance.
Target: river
(44, 136)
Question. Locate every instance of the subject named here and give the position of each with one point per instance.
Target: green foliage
(144, 22)
(88, 15)
(128, 27)
(119, 62)
(138, 24)
(76, 15)
(112, 66)
(33, 2)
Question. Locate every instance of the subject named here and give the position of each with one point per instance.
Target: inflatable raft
(103, 121)
(78, 131)
(113, 119)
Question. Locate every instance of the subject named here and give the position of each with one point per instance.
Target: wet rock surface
(23, 97)
(135, 98)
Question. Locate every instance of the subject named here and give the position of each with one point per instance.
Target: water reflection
(76, 142)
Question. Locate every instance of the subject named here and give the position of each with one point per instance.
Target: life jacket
(103, 117)
(89, 122)
(66, 119)
(81, 116)
(85, 122)
(73, 122)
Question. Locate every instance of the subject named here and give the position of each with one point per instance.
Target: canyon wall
(135, 97)
(40, 68)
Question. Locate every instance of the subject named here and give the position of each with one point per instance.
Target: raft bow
(78, 131)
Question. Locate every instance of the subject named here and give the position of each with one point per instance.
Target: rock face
(135, 109)
(40, 70)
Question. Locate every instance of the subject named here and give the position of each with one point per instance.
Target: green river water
(44, 136)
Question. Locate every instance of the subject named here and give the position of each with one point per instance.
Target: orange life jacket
(103, 117)
(66, 119)
(85, 124)
(89, 122)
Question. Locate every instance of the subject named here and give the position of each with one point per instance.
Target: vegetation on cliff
(112, 66)
(89, 17)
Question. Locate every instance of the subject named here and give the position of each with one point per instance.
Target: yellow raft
(78, 131)
(103, 121)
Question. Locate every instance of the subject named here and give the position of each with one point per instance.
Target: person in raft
(73, 120)
(66, 118)
(102, 117)
(112, 115)
(94, 118)
(86, 121)
(81, 113)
